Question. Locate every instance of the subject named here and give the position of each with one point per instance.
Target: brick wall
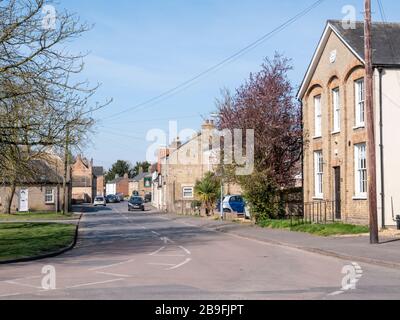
(36, 199)
(337, 148)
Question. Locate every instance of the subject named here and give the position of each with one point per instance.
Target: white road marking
(113, 274)
(112, 265)
(186, 250)
(336, 293)
(158, 251)
(93, 283)
(181, 264)
(166, 240)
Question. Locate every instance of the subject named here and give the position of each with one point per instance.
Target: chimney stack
(208, 125)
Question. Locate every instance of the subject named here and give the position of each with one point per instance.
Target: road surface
(148, 255)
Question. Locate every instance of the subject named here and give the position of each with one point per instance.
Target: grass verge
(324, 230)
(24, 216)
(23, 240)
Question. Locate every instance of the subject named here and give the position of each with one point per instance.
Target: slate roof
(141, 176)
(385, 41)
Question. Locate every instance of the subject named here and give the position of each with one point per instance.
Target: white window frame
(360, 171)
(318, 175)
(46, 195)
(317, 117)
(186, 190)
(359, 89)
(336, 109)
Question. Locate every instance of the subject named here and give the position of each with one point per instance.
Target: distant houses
(87, 180)
(118, 185)
(180, 166)
(334, 115)
(141, 185)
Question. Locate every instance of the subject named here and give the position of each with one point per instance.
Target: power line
(191, 81)
(153, 120)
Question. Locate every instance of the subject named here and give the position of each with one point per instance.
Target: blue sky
(139, 49)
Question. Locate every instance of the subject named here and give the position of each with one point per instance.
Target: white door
(23, 200)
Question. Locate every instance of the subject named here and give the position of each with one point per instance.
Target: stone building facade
(334, 119)
(181, 165)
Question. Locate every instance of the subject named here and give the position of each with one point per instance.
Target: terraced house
(334, 119)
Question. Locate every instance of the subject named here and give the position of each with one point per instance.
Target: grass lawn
(316, 229)
(24, 216)
(21, 240)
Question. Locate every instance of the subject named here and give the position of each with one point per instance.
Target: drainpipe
(302, 153)
(380, 69)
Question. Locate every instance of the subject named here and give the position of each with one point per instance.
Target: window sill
(361, 197)
(361, 126)
(335, 132)
(318, 198)
(49, 203)
(317, 137)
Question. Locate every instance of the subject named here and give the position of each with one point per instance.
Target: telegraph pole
(371, 147)
(66, 168)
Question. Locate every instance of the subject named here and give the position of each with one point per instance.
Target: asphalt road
(148, 255)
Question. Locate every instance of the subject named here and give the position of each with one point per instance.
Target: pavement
(150, 255)
(357, 247)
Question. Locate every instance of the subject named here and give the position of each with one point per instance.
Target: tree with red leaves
(266, 103)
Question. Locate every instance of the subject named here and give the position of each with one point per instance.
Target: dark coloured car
(136, 203)
(112, 199)
(120, 197)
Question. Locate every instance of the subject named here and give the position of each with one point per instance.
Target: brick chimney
(208, 125)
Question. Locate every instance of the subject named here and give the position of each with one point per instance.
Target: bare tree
(41, 106)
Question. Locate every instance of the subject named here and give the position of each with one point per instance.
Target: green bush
(263, 197)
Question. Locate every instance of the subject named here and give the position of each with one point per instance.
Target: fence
(321, 212)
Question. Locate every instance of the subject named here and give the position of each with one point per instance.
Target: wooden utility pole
(371, 147)
(66, 168)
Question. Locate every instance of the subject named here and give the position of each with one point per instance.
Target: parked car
(120, 196)
(100, 201)
(235, 204)
(136, 203)
(111, 199)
